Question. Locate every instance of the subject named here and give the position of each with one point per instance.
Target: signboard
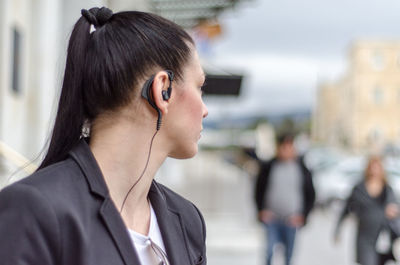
(223, 85)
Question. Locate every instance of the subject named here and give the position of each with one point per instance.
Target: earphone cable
(144, 170)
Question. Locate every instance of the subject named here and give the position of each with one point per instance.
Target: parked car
(321, 158)
(335, 182)
(392, 168)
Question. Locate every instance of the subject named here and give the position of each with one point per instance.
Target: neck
(122, 153)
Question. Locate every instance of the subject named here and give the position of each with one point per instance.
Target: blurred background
(327, 70)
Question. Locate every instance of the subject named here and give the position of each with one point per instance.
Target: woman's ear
(160, 86)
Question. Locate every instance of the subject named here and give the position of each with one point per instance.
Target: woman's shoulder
(359, 186)
(52, 180)
(32, 206)
(358, 190)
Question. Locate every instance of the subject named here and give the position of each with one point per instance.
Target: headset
(147, 94)
(166, 94)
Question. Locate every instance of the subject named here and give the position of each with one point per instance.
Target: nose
(205, 110)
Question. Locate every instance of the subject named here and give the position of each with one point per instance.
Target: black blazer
(263, 179)
(63, 215)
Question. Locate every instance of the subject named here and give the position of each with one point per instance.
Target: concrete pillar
(3, 14)
(16, 17)
(44, 73)
(4, 11)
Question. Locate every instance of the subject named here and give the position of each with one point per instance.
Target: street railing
(16, 158)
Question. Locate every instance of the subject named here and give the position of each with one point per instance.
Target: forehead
(286, 144)
(375, 162)
(194, 69)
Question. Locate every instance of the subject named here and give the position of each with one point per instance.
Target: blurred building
(33, 41)
(361, 111)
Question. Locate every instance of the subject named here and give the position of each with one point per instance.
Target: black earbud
(166, 94)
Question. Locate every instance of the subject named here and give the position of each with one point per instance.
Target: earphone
(146, 93)
(166, 94)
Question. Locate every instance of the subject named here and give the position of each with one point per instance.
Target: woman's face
(375, 170)
(183, 123)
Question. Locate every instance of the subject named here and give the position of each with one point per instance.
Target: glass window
(398, 93)
(377, 60)
(398, 59)
(378, 95)
(376, 134)
(16, 61)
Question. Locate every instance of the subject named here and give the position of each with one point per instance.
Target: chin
(184, 153)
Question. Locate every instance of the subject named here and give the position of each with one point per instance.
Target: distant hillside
(248, 120)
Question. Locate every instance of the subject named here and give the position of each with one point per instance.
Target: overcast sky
(286, 47)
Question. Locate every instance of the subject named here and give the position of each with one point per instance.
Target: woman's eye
(201, 90)
(202, 87)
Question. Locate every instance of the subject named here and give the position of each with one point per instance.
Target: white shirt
(142, 242)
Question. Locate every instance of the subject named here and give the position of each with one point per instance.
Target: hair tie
(97, 17)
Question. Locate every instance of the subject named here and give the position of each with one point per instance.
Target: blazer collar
(171, 227)
(84, 157)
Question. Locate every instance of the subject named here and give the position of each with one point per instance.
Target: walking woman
(373, 203)
(131, 97)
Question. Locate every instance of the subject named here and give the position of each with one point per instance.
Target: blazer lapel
(118, 231)
(109, 213)
(171, 228)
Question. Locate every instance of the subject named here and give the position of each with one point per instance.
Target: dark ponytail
(70, 114)
(103, 68)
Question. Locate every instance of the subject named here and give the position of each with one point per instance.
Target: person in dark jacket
(373, 203)
(284, 196)
(131, 97)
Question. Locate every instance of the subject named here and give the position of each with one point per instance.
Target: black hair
(283, 138)
(104, 66)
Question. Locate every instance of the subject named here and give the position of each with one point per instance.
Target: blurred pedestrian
(93, 200)
(284, 195)
(373, 203)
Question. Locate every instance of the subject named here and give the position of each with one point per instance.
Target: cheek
(193, 107)
(186, 126)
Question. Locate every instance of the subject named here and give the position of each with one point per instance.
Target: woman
(373, 202)
(93, 199)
